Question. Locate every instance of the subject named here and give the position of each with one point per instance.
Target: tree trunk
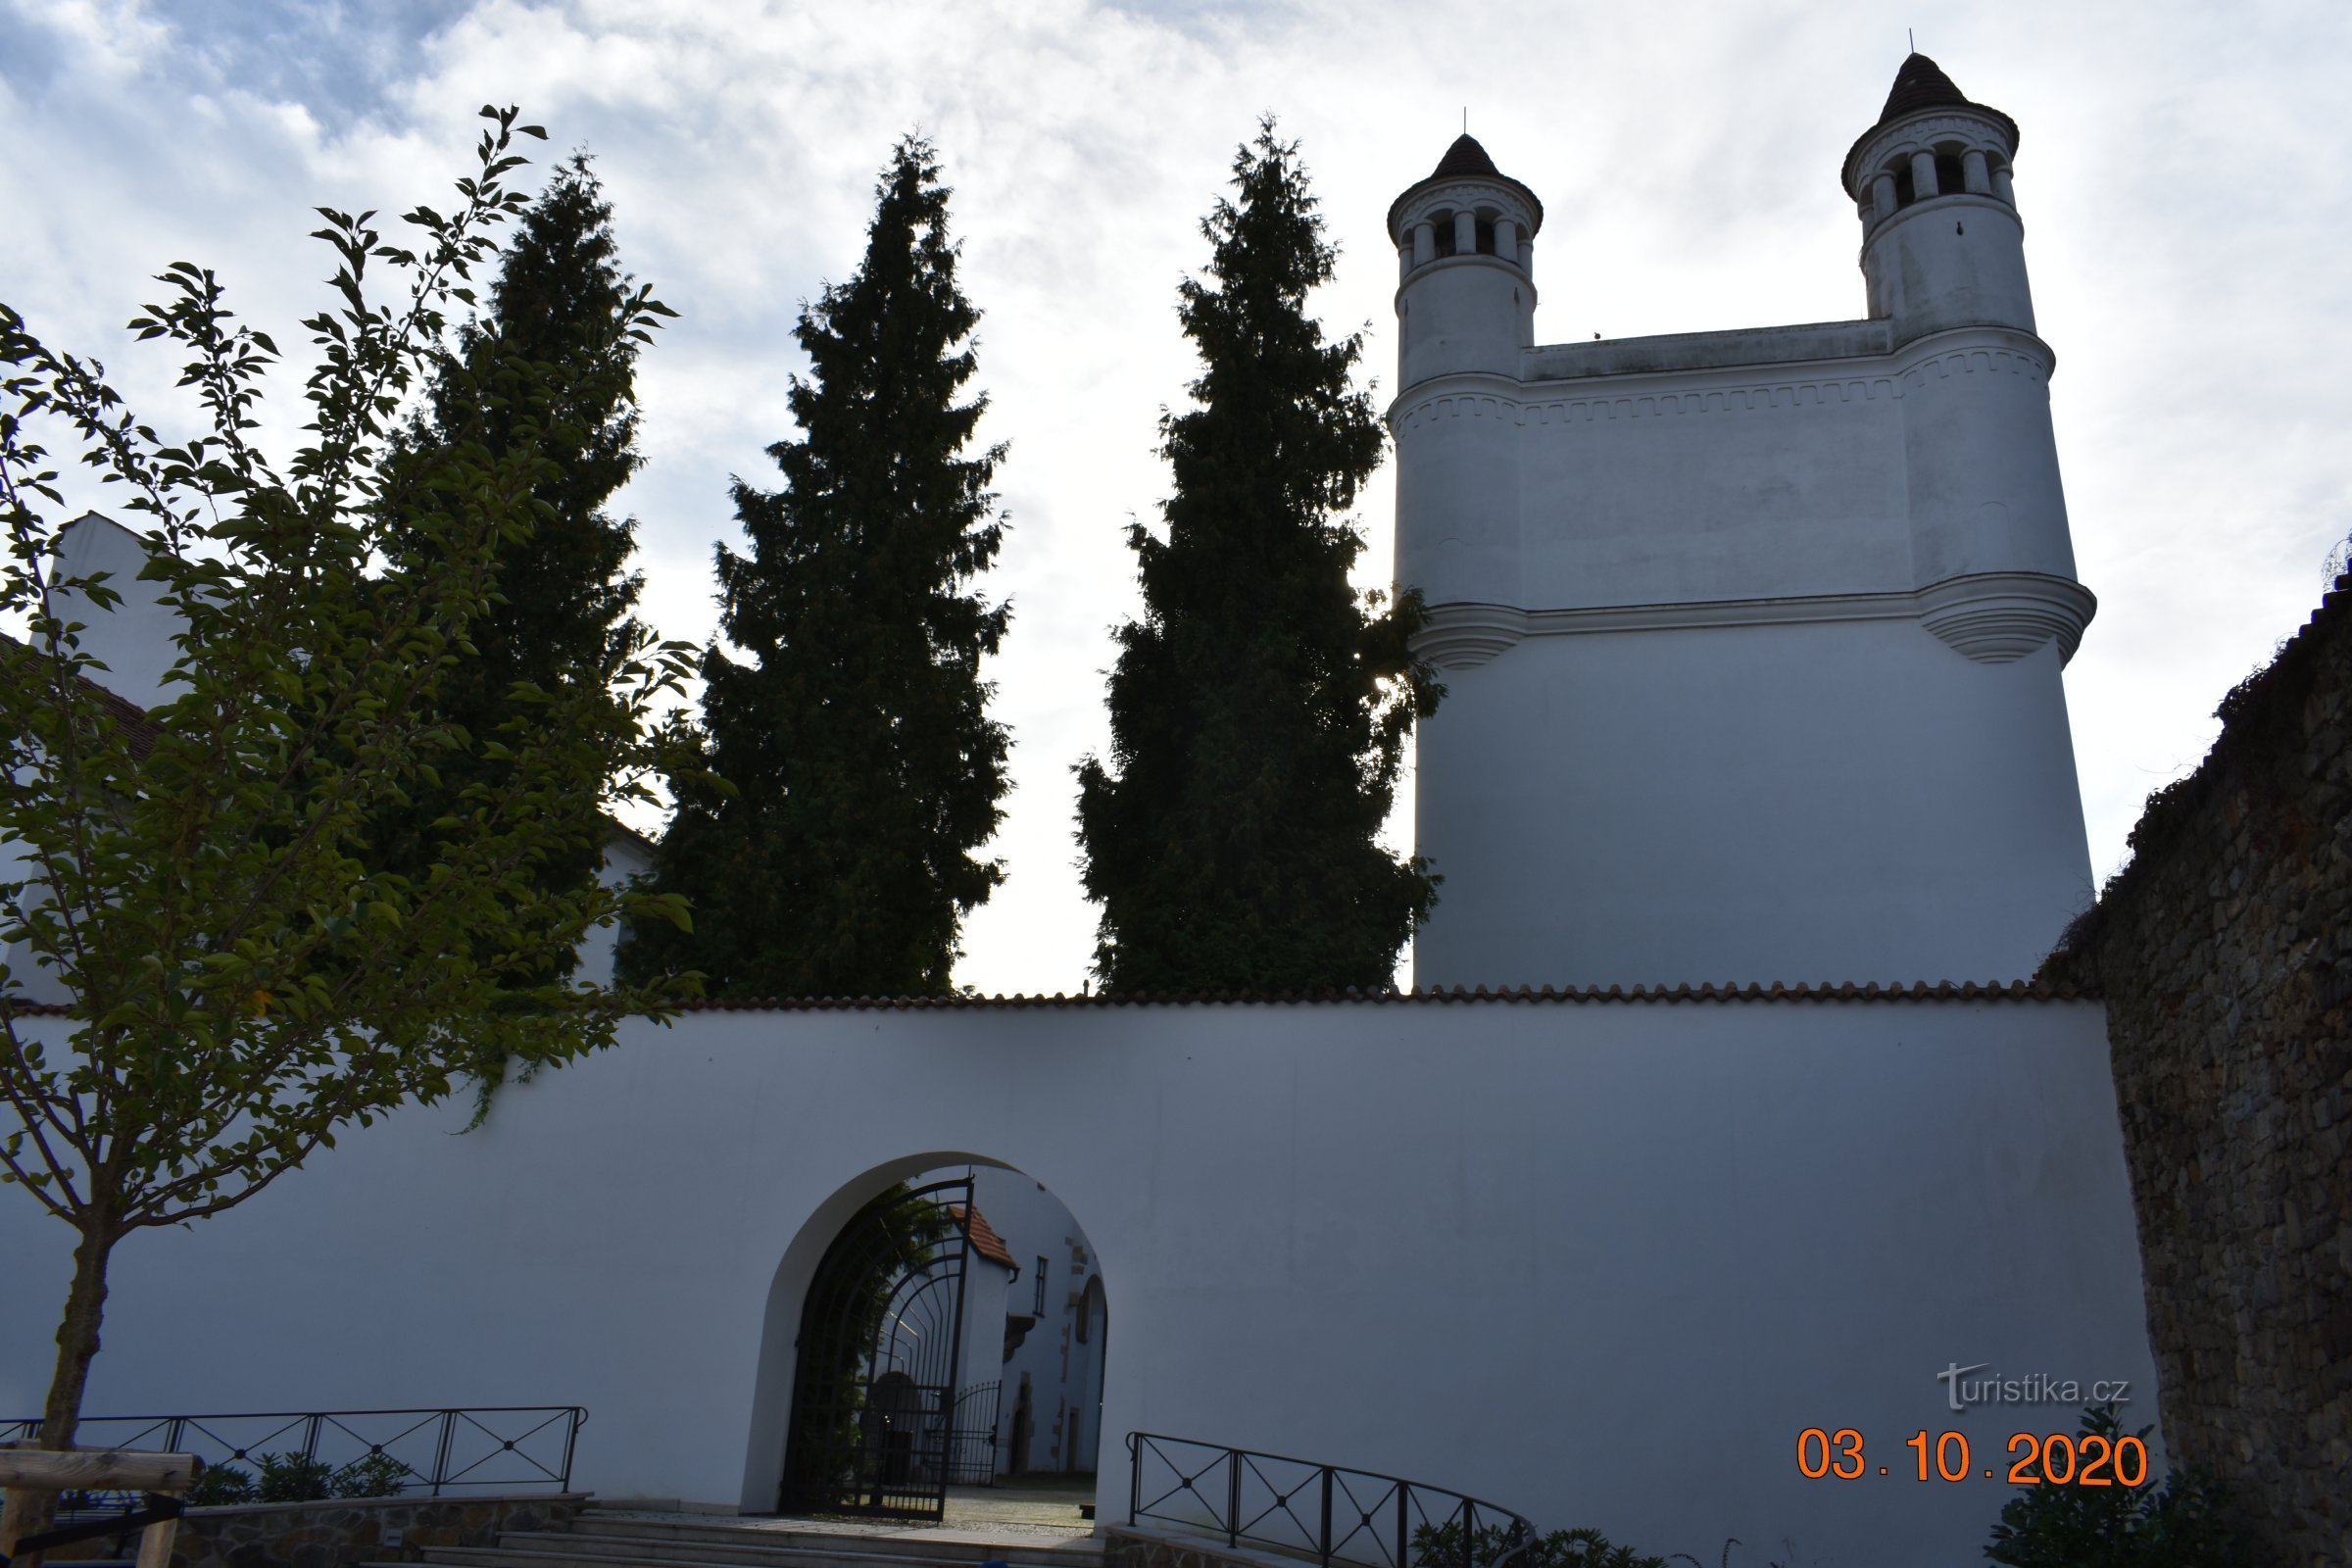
(30, 1511)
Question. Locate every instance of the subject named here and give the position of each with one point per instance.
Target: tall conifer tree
(560, 615)
(1259, 709)
(863, 766)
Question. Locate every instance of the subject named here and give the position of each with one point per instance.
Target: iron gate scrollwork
(875, 1381)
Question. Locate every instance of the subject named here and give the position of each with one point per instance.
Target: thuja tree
(241, 978)
(1260, 708)
(557, 611)
(860, 770)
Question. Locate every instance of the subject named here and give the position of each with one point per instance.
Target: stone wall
(1145, 1546)
(2224, 948)
(347, 1532)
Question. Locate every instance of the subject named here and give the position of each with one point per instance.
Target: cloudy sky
(2183, 176)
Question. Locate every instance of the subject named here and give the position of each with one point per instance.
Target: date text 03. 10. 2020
(2054, 1460)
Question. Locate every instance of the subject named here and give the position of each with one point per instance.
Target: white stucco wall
(1599, 1263)
(1037, 1224)
(132, 638)
(1825, 801)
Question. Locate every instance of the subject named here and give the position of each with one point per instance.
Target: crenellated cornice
(1725, 389)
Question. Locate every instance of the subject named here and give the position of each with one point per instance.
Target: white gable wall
(132, 638)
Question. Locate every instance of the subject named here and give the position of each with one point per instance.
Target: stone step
(564, 1551)
(761, 1546)
(967, 1544)
(557, 1557)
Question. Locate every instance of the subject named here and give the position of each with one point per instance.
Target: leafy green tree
(242, 977)
(559, 611)
(862, 769)
(1259, 709)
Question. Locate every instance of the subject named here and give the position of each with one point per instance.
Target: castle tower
(1933, 164)
(1752, 639)
(1465, 313)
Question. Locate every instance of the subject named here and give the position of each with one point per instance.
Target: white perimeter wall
(1596, 1262)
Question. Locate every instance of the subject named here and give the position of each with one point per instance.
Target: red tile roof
(1827, 991)
(140, 730)
(137, 728)
(1922, 990)
(985, 1240)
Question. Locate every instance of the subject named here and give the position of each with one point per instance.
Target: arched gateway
(877, 1373)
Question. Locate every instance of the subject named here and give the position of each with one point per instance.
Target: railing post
(448, 1421)
(1325, 1540)
(1469, 1530)
(571, 1438)
(1135, 1474)
(1233, 1497)
(309, 1442)
(1403, 1493)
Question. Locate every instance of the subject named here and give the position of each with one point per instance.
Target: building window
(1040, 1288)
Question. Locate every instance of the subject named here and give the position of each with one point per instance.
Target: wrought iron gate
(873, 1392)
(972, 1437)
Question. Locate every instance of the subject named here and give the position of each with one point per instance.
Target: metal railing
(502, 1447)
(1326, 1512)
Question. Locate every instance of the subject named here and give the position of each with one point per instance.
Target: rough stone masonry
(2225, 950)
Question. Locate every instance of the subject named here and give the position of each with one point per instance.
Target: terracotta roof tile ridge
(1679, 991)
(2018, 990)
(984, 1237)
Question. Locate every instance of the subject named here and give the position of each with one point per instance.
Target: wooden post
(106, 1470)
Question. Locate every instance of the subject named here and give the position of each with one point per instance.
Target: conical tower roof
(1464, 157)
(1921, 87)
(1465, 160)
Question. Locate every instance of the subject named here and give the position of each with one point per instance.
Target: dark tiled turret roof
(1464, 157)
(1465, 160)
(1919, 83)
(1921, 86)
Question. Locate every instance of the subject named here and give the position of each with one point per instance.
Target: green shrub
(1440, 1546)
(2186, 1522)
(376, 1475)
(291, 1478)
(220, 1486)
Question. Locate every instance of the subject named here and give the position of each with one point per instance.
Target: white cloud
(2183, 178)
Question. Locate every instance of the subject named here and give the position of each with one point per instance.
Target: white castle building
(1751, 638)
(1754, 642)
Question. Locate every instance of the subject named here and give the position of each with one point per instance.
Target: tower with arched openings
(1752, 638)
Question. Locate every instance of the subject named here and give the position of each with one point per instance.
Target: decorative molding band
(1992, 617)
(2003, 616)
(1818, 390)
